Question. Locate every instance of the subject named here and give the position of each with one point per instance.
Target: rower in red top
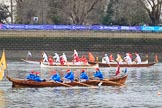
(84, 59)
(62, 61)
(111, 58)
(50, 60)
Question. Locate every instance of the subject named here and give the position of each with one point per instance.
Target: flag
(117, 70)
(3, 65)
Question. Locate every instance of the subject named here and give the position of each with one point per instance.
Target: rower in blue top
(98, 74)
(83, 76)
(69, 76)
(37, 77)
(55, 77)
(31, 76)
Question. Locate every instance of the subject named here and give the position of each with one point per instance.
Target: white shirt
(45, 58)
(138, 58)
(64, 57)
(56, 57)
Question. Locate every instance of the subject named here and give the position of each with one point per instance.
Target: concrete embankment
(93, 41)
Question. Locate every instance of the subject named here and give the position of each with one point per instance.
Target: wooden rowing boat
(18, 83)
(69, 65)
(58, 65)
(122, 65)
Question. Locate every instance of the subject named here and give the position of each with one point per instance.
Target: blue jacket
(98, 74)
(56, 77)
(83, 75)
(38, 79)
(69, 76)
(30, 77)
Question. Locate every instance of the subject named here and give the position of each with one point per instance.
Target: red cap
(32, 72)
(97, 68)
(83, 70)
(37, 73)
(136, 53)
(54, 71)
(68, 70)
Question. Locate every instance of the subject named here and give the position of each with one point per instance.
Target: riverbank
(85, 33)
(99, 42)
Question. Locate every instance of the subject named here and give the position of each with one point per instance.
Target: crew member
(37, 77)
(62, 62)
(106, 59)
(128, 59)
(84, 59)
(119, 59)
(98, 74)
(83, 76)
(45, 57)
(111, 58)
(138, 58)
(55, 76)
(56, 57)
(31, 76)
(69, 76)
(50, 60)
(64, 57)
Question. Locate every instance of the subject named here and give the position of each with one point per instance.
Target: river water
(143, 90)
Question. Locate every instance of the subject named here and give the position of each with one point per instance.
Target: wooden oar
(66, 85)
(87, 85)
(108, 81)
(115, 83)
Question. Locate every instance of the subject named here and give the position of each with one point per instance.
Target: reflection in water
(2, 99)
(138, 73)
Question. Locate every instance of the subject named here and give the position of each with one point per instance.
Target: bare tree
(153, 7)
(4, 13)
(28, 9)
(77, 11)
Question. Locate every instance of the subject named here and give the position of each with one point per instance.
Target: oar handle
(66, 85)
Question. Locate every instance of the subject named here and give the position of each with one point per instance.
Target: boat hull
(122, 65)
(69, 66)
(19, 83)
(31, 61)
